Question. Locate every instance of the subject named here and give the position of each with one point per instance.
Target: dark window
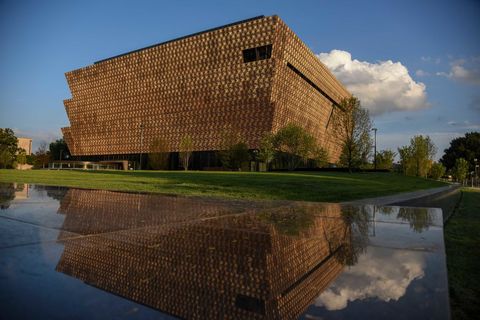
(258, 53)
(249, 55)
(250, 304)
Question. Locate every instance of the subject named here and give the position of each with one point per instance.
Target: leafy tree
(158, 159)
(295, 143)
(320, 156)
(42, 156)
(235, 152)
(423, 151)
(460, 170)
(186, 147)
(417, 158)
(59, 148)
(31, 159)
(467, 147)
(266, 151)
(355, 126)
(385, 159)
(235, 156)
(8, 148)
(406, 160)
(21, 156)
(436, 171)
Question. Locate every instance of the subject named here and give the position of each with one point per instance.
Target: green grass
(462, 241)
(307, 186)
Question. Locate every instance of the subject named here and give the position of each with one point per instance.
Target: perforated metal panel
(200, 86)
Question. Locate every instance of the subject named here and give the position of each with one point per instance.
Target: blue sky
(414, 64)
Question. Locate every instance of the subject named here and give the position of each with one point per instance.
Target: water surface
(93, 254)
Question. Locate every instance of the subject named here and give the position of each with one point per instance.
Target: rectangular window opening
(250, 304)
(258, 53)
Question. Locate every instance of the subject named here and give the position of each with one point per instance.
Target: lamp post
(375, 149)
(141, 145)
(475, 168)
(60, 161)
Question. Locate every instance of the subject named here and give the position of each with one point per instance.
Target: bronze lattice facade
(203, 258)
(250, 77)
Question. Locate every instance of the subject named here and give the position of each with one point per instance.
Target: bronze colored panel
(194, 257)
(201, 87)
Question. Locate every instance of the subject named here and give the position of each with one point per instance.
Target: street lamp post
(60, 164)
(375, 149)
(475, 168)
(141, 145)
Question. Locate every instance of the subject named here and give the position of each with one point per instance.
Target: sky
(415, 65)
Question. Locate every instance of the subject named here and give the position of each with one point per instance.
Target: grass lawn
(462, 241)
(307, 186)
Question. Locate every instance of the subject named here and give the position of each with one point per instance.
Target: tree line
(292, 146)
(11, 155)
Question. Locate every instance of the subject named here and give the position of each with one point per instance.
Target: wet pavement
(93, 254)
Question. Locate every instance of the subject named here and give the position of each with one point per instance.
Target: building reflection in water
(210, 259)
(11, 191)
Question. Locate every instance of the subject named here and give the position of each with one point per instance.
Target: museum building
(249, 78)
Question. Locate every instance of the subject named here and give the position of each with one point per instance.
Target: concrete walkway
(401, 197)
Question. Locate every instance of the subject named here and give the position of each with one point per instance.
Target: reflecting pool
(94, 254)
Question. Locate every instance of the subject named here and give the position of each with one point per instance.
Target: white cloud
(380, 273)
(384, 86)
(421, 73)
(432, 60)
(464, 71)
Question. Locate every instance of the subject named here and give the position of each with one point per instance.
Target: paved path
(400, 197)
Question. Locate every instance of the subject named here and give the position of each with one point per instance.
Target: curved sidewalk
(400, 197)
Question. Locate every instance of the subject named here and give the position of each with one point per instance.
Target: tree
(460, 170)
(266, 151)
(467, 147)
(235, 152)
(295, 143)
(354, 125)
(385, 159)
(320, 156)
(158, 159)
(31, 159)
(406, 160)
(8, 148)
(42, 156)
(21, 156)
(423, 151)
(417, 158)
(59, 150)
(436, 171)
(186, 146)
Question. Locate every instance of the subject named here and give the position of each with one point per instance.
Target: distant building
(250, 77)
(25, 144)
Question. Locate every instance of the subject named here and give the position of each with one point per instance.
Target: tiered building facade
(250, 77)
